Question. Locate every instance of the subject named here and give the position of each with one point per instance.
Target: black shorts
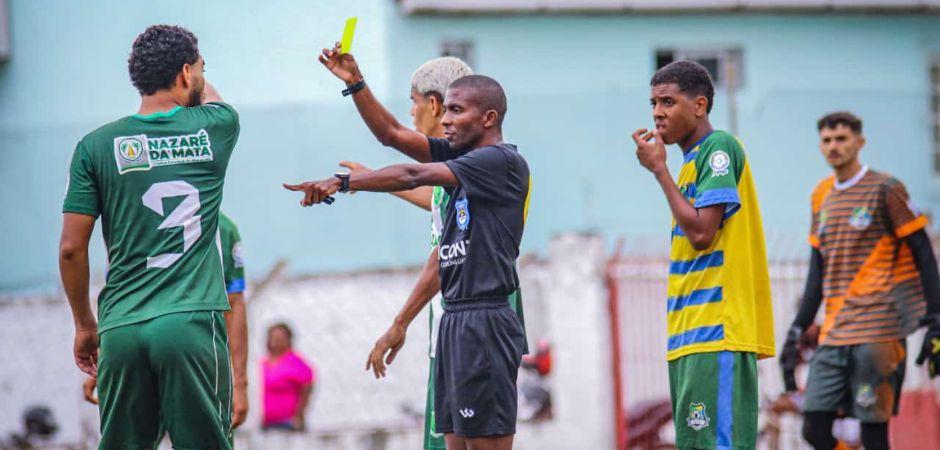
(479, 349)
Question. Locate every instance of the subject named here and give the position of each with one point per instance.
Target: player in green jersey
(156, 180)
(236, 322)
(428, 84)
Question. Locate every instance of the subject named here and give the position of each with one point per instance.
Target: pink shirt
(283, 382)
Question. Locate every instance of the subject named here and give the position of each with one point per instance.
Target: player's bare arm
(382, 123)
(398, 177)
(699, 224)
(73, 267)
(387, 347)
(420, 196)
(236, 324)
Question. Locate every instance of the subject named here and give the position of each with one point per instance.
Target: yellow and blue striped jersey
(719, 298)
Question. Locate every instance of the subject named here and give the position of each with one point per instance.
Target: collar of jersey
(689, 155)
(851, 181)
(159, 114)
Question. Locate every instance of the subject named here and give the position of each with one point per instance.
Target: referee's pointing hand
(315, 191)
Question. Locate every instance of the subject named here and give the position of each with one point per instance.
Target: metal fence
(636, 278)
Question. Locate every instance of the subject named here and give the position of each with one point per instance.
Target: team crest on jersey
(463, 213)
(697, 419)
(861, 218)
(131, 154)
(719, 162)
(141, 152)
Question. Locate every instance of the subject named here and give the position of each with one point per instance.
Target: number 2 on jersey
(185, 215)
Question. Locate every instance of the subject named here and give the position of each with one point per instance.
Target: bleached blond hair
(438, 73)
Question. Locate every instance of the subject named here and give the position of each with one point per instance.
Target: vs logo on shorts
(463, 213)
(697, 419)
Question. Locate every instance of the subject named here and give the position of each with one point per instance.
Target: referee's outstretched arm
(398, 177)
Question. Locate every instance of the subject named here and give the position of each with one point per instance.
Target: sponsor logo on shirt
(463, 213)
(143, 153)
(719, 162)
(453, 254)
(861, 218)
(697, 419)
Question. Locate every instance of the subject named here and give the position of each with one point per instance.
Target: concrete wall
(336, 320)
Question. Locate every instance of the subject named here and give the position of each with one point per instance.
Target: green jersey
(439, 200)
(233, 258)
(156, 181)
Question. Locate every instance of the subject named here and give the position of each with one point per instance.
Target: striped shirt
(870, 283)
(719, 298)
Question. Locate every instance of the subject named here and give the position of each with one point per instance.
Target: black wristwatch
(344, 181)
(355, 87)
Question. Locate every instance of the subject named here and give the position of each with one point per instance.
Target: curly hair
(833, 120)
(158, 55)
(692, 78)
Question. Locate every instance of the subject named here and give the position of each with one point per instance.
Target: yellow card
(348, 32)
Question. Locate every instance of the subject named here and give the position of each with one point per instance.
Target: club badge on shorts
(865, 397)
(697, 419)
(463, 213)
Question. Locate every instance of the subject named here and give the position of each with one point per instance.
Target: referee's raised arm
(382, 123)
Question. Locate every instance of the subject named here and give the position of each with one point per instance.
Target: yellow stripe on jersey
(525, 209)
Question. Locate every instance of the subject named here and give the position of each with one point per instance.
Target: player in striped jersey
(719, 312)
(873, 264)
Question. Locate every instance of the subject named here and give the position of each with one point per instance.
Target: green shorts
(432, 440)
(862, 381)
(714, 400)
(171, 371)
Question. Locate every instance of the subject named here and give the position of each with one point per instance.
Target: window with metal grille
(459, 48)
(724, 65)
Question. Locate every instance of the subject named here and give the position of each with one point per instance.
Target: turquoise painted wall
(577, 87)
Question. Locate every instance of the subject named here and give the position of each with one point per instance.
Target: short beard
(195, 97)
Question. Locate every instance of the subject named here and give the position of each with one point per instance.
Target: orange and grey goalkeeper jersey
(871, 286)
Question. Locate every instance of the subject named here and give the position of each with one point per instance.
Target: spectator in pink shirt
(288, 382)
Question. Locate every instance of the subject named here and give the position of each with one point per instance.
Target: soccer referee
(481, 339)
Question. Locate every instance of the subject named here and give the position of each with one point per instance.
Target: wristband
(343, 181)
(353, 88)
